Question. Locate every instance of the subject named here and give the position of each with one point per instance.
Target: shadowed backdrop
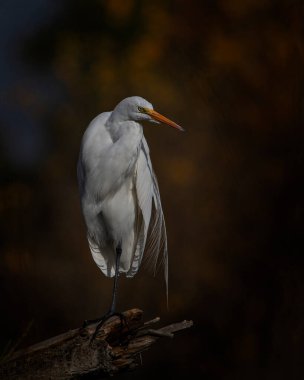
(231, 73)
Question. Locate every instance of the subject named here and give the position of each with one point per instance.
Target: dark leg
(114, 292)
(111, 312)
(118, 255)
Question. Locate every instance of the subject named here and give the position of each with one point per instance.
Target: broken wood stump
(74, 355)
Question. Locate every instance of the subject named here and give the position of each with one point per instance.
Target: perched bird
(119, 192)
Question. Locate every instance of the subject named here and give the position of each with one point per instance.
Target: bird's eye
(141, 109)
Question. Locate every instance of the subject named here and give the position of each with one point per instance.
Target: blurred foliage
(231, 73)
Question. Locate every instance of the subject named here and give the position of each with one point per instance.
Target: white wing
(96, 230)
(151, 229)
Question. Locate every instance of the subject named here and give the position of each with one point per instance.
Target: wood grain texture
(74, 355)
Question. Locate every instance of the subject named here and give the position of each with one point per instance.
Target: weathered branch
(73, 355)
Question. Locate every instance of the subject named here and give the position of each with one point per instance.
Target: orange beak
(163, 119)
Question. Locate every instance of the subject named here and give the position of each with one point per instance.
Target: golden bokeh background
(231, 73)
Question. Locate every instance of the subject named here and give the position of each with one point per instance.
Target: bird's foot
(102, 320)
(88, 322)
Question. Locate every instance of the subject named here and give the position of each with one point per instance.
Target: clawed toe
(101, 321)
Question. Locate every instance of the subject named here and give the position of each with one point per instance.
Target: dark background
(231, 73)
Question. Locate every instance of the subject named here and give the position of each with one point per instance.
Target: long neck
(119, 128)
(116, 161)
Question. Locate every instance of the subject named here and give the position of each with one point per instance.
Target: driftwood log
(74, 355)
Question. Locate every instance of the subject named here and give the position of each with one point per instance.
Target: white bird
(119, 192)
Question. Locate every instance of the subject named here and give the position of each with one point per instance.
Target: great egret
(119, 192)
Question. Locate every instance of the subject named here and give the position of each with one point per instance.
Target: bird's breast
(119, 210)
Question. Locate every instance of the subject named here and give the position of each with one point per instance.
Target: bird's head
(139, 109)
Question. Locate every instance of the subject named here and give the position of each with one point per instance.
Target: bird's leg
(112, 312)
(115, 287)
(114, 292)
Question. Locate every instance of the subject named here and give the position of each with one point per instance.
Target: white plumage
(119, 193)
